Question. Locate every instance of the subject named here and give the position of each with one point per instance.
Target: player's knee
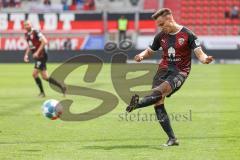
(161, 101)
(45, 78)
(157, 95)
(34, 75)
(166, 89)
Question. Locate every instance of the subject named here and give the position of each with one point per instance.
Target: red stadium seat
(236, 3)
(207, 14)
(185, 21)
(228, 21)
(205, 21)
(191, 22)
(147, 26)
(198, 3)
(220, 3)
(184, 15)
(236, 21)
(198, 30)
(221, 21)
(191, 9)
(72, 7)
(184, 3)
(228, 30)
(198, 9)
(212, 15)
(153, 4)
(184, 9)
(221, 9)
(198, 15)
(190, 15)
(212, 30)
(221, 30)
(236, 28)
(229, 3)
(232, 30)
(213, 9)
(213, 3)
(221, 15)
(205, 9)
(205, 2)
(214, 21)
(191, 3)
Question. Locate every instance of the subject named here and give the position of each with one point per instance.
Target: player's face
(27, 26)
(165, 24)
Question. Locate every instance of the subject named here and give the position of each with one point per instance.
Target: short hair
(27, 21)
(162, 12)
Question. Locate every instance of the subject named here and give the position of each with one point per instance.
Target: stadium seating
(206, 17)
(151, 5)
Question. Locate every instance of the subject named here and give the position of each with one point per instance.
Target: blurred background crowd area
(205, 17)
(89, 24)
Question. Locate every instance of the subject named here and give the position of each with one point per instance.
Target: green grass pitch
(211, 96)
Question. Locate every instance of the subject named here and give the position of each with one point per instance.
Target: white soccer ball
(52, 109)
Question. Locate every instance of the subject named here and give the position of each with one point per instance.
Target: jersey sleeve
(156, 43)
(39, 34)
(194, 42)
(25, 36)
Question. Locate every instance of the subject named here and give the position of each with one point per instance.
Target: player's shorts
(173, 77)
(40, 64)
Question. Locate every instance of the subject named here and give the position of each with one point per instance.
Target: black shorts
(173, 77)
(40, 64)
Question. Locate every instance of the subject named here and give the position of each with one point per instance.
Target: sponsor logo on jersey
(172, 55)
(197, 42)
(181, 41)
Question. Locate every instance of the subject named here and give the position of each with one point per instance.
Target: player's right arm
(26, 59)
(143, 55)
(150, 50)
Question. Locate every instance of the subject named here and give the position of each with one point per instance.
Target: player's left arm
(195, 45)
(203, 57)
(43, 41)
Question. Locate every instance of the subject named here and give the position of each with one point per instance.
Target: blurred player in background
(177, 43)
(36, 45)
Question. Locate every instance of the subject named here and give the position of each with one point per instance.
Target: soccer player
(36, 45)
(177, 42)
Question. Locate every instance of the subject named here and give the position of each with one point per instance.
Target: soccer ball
(52, 109)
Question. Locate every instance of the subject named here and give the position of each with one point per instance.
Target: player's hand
(208, 60)
(26, 59)
(35, 55)
(138, 58)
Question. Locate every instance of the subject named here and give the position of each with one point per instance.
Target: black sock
(149, 100)
(164, 120)
(54, 82)
(39, 83)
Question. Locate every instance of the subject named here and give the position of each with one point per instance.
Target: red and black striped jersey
(177, 49)
(33, 39)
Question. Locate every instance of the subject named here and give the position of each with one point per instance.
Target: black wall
(61, 56)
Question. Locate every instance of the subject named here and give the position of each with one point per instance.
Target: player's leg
(51, 80)
(156, 96)
(164, 121)
(175, 80)
(44, 74)
(38, 81)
